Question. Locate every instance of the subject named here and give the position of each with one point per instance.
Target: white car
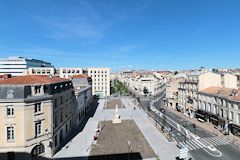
(153, 109)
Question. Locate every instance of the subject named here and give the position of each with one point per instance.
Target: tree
(145, 91)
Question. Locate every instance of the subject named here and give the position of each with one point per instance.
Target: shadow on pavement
(27, 156)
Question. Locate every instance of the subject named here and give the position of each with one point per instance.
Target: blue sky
(123, 34)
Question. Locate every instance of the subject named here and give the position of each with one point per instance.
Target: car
(162, 110)
(153, 109)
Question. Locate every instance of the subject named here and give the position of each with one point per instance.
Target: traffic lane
(229, 152)
(189, 125)
(177, 135)
(200, 154)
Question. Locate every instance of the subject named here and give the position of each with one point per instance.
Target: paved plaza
(80, 145)
(112, 103)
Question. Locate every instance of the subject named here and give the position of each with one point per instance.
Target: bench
(201, 120)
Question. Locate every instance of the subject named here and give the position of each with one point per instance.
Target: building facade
(82, 85)
(40, 71)
(100, 81)
(16, 65)
(69, 72)
(221, 107)
(195, 82)
(188, 89)
(36, 115)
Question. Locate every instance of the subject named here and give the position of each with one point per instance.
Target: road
(208, 147)
(198, 149)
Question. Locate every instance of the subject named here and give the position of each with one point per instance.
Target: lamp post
(129, 148)
(184, 125)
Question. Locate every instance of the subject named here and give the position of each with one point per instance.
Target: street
(207, 147)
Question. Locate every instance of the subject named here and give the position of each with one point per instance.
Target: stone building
(197, 81)
(188, 89)
(82, 85)
(36, 115)
(220, 106)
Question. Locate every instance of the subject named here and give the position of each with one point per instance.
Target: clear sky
(123, 34)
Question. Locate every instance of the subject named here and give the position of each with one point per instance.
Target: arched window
(37, 150)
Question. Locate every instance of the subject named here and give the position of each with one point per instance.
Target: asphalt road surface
(221, 150)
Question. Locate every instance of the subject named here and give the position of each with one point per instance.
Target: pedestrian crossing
(194, 144)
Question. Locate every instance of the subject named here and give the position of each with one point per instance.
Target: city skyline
(152, 34)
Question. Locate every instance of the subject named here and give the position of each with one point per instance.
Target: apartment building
(83, 92)
(69, 72)
(40, 71)
(36, 115)
(188, 89)
(16, 65)
(171, 99)
(221, 107)
(150, 82)
(100, 81)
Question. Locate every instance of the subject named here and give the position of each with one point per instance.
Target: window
(61, 100)
(55, 121)
(55, 102)
(10, 111)
(37, 129)
(238, 119)
(10, 156)
(37, 107)
(55, 141)
(66, 128)
(61, 116)
(231, 115)
(37, 89)
(10, 133)
(37, 150)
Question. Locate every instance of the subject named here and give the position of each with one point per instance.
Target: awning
(235, 126)
(213, 118)
(199, 114)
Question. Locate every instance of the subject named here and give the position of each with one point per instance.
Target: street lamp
(184, 125)
(129, 148)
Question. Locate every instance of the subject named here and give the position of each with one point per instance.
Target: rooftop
(229, 93)
(81, 76)
(32, 79)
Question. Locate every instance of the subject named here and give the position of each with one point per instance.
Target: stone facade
(36, 115)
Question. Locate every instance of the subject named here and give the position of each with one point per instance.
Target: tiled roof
(228, 93)
(81, 76)
(32, 79)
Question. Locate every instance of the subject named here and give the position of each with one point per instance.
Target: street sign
(183, 153)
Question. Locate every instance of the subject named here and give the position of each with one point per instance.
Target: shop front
(235, 129)
(214, 119)
(201, 115)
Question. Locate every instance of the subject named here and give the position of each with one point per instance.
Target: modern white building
(16, 65)
(100, 81)
(40, 71)
(69, 72)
